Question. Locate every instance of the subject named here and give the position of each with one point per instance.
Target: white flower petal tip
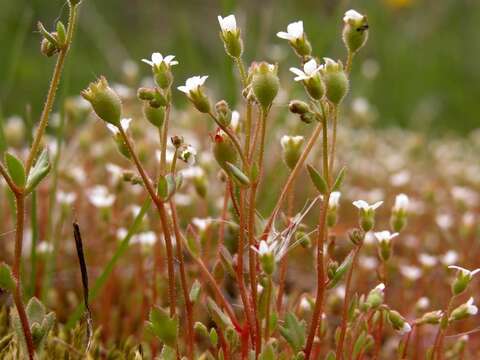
(157, 59)
(294, 31)
(193, 84)
(363, 205)
(352, 15)
(228, 23)
(310, 69)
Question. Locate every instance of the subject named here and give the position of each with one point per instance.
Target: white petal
(295, 29)
(284, 35)
(352, 15)
(148, 62)
(360, 204)
(310, 67)
(157, 58)
(183, 89)
(376, 205)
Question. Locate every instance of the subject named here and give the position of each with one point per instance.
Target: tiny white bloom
(412, 273)
(228, 23)
(235, 122)
(201, 224)
(44, 247)
(423, 303)
(465, 272)
(305, 304)
(100, 197)
(294, 31)
(427, 260)
(65, 198)
(157, 59)
(450, 257)
(363, 205)
(193, 84)
(401, 203)
(124, 123)
(188, 155)
(406, 328)
(145, 239)
(380, 287)
(334, 199)
(352, 15)
(310, 69)
(296, 141)
(385, 236)
(471, 308)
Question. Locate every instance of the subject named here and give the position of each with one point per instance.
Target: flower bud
(267, 257)
(145, 93)
(356, 236)
(398, 219)
(47, 48)
(307, 118)
(156, 116)
(335, 80)
(398, 322)
(384, 239)
(265, 84)
(463, 311)
(105, 102)
(355, 30)
(223, 150)
(332, 211)
(432, 318)
(311, 79)
(224, 114)
(299, 107)
(292, 149)
(332, 268)
(230, 35)
(375, 297)
(463, 279)
(177, 141)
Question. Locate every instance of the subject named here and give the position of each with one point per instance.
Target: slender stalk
(267, 312)
(346, 304)
(348, 65)
(322, 235)
(183, 280)
(17, 294)
(438, 344)
(407, 342)
(293, 174)
(57, 74)
(163, 142)
(334, 138)
(163, 219)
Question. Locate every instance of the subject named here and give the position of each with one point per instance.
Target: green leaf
(15, 169)
(339, 180)
(341, 270)
(218, 315)
(163, 326)
(213, 337)
(294, 332)
(7, 281)
(317, 180)
(237, 174)
(267, 353)
(195, 291)
(36, 311)
(39, 171)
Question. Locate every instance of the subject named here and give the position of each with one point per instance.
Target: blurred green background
(419, 68)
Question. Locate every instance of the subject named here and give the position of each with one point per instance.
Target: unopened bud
(356, 236)
(355, 30)
(265, 84)
(292, 149)
(224, 150)
(398, 322)
(156, 116)
(105, 102)
(177, 141)
(463, 311)
(145, 93)
(375, 297)
(335, 79)
(230, 35)
(224, 114)
(299, 107)
(432, 318)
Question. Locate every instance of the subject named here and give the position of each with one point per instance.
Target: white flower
(157, 59)
(444, 221)
(380, 287)
(100, 197)
(423, 303)
(228, 23)
(188, 155)
(385, 236)
(406, 328)
(334, 199)
(124, 123)
(427, 260)
(44, 247)
(287, 140)
(201, 224)
(310, 69)
(471, 308)
(401, 203)
(146, 239)
(294, 31)
(450, 257)
(465, 272)
(65, 198)
(193, 84)
(352, 15)
(235, 122)
(363, 205)
(412, 273)
(265, 249)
